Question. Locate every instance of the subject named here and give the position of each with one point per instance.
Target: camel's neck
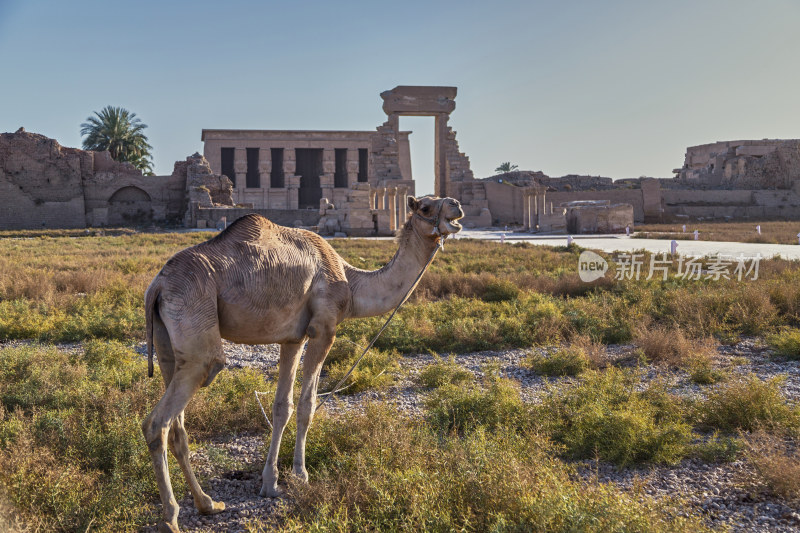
(380, 291)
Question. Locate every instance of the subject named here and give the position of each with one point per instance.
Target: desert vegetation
(627, 373)
(772, 231)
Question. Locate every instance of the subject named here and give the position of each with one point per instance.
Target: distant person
(673, 247)
(569, 240)
(627, 230)
(758, 229)
(684, 228)
(696, 235)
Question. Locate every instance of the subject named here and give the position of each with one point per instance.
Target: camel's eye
(425, 209)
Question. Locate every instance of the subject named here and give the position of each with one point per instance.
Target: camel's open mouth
(453, 225)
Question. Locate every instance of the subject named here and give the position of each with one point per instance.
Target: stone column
(264, 170)
(392, 192)
(373, 198)
(381, 198)
(240, 168)
(440, 156)
(292, 191)
(531, 219)
(352, 167)
(402, 204)
(526, 200)
(290, 180)
(326, 179)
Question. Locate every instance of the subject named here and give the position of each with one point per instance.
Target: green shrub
(748, 403)
(569, 361)
(71, 444)
(229, 404)
(491, 405)
(719, 448)
(702, 371)
(443, 372)
(605, 416)
(380, 471)
(499, 290)
(786, 343)
(375, 371)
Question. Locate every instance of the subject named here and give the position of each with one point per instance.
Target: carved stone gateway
(416, 100)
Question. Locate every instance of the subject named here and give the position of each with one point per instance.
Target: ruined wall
(41, 182)
(504, 201)
(118, 195)
(750, 164)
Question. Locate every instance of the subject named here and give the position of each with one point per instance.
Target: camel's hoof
(267, 492)
(301, 474)
(214, 508)
(164, 527)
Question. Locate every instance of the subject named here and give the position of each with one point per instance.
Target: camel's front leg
(281, 411)
(316, 352)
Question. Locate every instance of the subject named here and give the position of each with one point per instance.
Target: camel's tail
(150, 302)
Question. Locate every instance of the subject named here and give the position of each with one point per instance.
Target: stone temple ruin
(355, 182)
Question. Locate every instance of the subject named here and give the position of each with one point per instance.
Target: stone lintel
(419, 100)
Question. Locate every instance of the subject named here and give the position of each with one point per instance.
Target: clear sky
(612, 88)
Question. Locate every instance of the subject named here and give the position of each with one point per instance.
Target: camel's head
(435, 216)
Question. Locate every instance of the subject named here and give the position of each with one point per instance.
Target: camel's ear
(413, 203)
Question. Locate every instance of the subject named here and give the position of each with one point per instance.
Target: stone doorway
(129, 206)
(309, 168)
(451, 167)
(422, 145)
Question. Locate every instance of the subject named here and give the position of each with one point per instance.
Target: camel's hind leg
(178, 438)
(179, 445)
(281, 411)
(190, 372)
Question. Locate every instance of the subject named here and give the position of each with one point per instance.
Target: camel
(259, 283)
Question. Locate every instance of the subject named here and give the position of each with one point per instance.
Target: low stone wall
(754, 204)
(211, 216)
(620, 196)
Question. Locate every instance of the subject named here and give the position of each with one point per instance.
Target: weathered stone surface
(750, 164)
(598, 217)
(419, 100)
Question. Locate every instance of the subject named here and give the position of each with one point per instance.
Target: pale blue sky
(614, 88)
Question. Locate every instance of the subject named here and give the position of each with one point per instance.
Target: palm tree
(506, 167)
(120, 132)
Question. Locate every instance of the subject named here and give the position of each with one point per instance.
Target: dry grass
(772, 231)
(477, 295)
(777, 464)
(671, 347)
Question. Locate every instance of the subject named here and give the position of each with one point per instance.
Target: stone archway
(129, 206)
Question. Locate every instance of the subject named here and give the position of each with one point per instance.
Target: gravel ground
(723, 493)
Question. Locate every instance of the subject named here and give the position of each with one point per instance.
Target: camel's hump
(247, 227)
